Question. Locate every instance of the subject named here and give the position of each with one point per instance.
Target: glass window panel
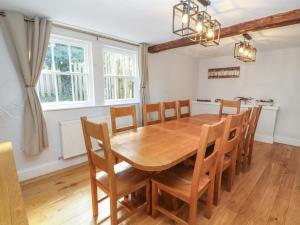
(77, 59)
(46, 88)
(64, 88)
(121, 88)
(48, 59)
(61, 57)
(80, 87)
(110, 88)
(129, 88)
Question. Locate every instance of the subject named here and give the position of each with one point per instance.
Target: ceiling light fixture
(197, 25)
(244, 51)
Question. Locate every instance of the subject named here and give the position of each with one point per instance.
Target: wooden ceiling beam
(278, 20)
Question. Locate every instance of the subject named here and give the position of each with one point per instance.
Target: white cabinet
(266, 123)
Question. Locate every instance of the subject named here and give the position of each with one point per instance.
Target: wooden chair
(169, 106)
(116, 112)
(189, 184)
(257, 112)
(228, 153)
(117, 181)
(184, 104)
(229, 104)
(150, 108)
(243, 138)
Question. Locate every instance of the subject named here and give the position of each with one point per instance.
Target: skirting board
(287, 141)
(265, 139)
(49, 168)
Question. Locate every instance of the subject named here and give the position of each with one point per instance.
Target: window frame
(87, 46)
(136, 76)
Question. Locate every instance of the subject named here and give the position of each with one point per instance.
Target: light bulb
(246, 52)
(185, 18)
(250, 55)
(199, 27)
(241, 50)
(210, 33)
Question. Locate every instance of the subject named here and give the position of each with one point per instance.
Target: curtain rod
(2, 13)
(97, 35)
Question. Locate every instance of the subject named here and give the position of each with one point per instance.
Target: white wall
(11, 112)
(172, 76)
(275, 74)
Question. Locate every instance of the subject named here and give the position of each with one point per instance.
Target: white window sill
(66, 107)
(121, 102)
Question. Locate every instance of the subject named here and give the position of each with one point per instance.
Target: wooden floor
(269, 193)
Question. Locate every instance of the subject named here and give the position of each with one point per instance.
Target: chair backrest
(151, 108)
(169, 106)
(245, 126)
(257, 116)
(184, 104)
(210, 134)
(98, 132)
(254, 120)
(232, 134)
(230, 104)
(116, 112)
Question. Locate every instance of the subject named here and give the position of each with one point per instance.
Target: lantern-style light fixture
(183, 18)
(244, 51)
(197, 26)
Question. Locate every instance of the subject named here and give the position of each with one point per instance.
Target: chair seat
(128, 179)
(178, 180)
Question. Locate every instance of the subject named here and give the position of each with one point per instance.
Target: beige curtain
(144, 77)
(27, 43)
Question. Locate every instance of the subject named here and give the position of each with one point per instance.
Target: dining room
(149, 112)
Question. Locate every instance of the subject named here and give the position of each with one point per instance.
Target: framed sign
(219, 73)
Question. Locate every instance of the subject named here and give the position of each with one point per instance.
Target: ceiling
(146, 20)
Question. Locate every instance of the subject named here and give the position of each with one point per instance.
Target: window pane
(46, 88)
(121, 88)
(129, 88)
(107, 63)
(61, 57)
(77, 59)
(64, 86)
(80, 87)
(48, 60)
(118, 65)
(110, 88)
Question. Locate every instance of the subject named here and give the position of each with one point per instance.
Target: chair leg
(148, 200)
(94, 197)
(217, 186)
(193, 212)
(250, 151)
(154, 199)
(230, 178)
(210, 195)
(113, 210)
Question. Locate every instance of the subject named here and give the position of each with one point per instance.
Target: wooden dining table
(161, 146)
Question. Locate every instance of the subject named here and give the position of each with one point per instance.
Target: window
(65, 77)
(120, 76)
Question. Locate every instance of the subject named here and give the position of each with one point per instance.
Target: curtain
(144, 78)
(27, 43)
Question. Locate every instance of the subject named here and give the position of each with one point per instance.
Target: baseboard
(48, 168)
(65, 170)
(287, 141)
(265, 139)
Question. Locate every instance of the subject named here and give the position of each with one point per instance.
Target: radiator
(72, 137)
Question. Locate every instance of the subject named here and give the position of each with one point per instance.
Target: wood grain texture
(161, 146)
(273, 21)
(12, 210)
(268, 193)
